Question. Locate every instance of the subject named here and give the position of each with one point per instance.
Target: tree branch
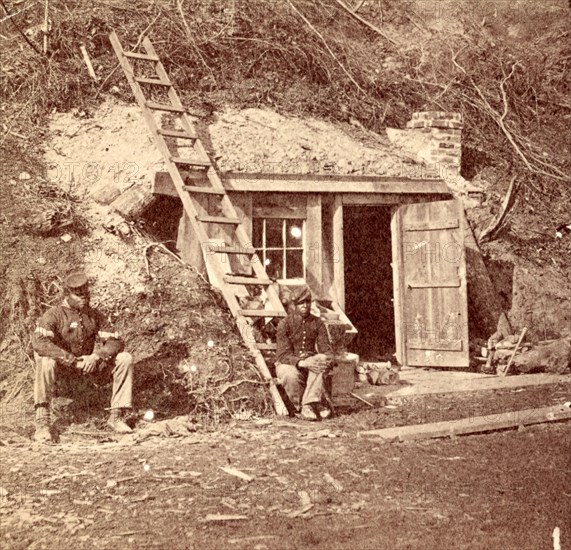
(491, 232)
(20, 30)
(307, 22)
(353, 13)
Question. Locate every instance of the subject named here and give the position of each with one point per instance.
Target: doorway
(369, 280)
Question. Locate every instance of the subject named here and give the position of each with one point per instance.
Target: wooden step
(218, 219)
(262, 313)
(207, 190)
(155, 81)
(143, 56)
(266, 347)
(192, 162)
(164, 107)
(182, 134)
(238, 280)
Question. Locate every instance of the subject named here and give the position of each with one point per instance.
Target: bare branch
(19, 29)
(491, 232)
(499, 119)
(307, 22)
(503, 90)
(374, 28)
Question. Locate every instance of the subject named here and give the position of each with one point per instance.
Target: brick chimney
(440, 133)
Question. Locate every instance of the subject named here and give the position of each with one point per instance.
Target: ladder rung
(218, 219)
(176, 134)
(237, 280)
(208, 190)
(268, 347)
(164, 107)
(192, 162)
(262, 313)
(232, 250)
(156, 81)
(144, 56)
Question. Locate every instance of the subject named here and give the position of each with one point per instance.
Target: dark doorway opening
(369, 280)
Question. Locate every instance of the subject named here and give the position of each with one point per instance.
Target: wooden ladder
(193, 197)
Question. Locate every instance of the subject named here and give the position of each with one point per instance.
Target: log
(553, 357)
(485, 315)
(106, 194)
(471, 425)
(133, 201)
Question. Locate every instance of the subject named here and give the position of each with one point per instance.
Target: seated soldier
(64, 344)
(301, 363)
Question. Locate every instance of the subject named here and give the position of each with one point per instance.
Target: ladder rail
(195, 210)
(215, 181)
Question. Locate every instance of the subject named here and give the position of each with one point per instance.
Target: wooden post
(188, 246)
(313, 244)
(397, 266)
(338, 251)
(243, 205)
(46, 26)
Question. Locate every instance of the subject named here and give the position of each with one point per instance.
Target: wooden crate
(343, 374)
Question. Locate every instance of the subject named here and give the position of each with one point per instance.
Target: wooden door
(429, 272)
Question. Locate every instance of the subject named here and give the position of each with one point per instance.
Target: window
(279, 244)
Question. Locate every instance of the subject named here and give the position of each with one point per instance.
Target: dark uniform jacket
(63, 333)
(298, 338)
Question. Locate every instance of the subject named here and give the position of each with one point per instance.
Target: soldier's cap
(76, 280)
(301, 294)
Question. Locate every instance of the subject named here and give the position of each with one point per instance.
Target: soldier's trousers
(119, 369)
(303, 387)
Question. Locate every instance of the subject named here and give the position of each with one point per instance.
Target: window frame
(261, 251)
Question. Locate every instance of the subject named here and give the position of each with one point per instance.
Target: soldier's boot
(117, 423)
(43, 432)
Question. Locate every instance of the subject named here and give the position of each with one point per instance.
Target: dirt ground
(307, 485)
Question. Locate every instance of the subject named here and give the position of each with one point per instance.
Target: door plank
(432, 291)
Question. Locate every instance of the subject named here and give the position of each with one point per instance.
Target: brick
(434, 123)
(447, 132)
(446, 145)
(444, 137)
(443, 123)
(428, 115)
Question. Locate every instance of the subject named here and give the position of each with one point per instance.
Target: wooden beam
(471, 425)
(313, 245)
(339, 184)
(282, 212)
(307, 183)
(398, 285)
(390, 199)
(338, 252)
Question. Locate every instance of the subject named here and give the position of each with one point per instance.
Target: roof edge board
(308, 183)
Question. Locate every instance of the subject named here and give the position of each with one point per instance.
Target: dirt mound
(261, 140)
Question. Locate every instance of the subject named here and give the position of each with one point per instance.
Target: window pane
(274, 236)
(274, 264)
(294, 233)
(294, 264)
(257, 232)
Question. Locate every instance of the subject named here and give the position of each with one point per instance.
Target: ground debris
(224, 517)
(333, 482)
(237, 473)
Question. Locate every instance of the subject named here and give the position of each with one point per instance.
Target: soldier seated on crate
(302, 365)
(73, 340)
